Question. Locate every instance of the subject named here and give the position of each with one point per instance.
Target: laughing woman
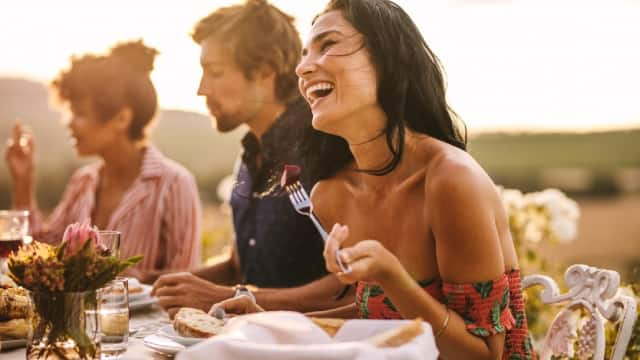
(152, 200)
(425, 232)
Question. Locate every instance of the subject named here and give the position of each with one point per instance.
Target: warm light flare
(511, 65)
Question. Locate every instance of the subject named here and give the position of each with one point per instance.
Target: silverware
(302, 203)
(219, 313)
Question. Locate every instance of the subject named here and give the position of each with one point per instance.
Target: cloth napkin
(290, 335)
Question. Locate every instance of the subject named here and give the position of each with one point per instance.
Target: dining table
(152, 320)
(142, 322)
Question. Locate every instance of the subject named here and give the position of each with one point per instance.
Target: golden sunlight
(511, 65)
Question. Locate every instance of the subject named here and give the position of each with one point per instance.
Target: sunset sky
(511, 65)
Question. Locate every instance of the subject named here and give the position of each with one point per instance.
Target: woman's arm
(19, 156)
(462, 221)
(349, 311)
(462, 216)
(182, 223)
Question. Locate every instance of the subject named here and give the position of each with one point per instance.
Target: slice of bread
(397, 336)
(14, 329)
(196, 323)
(14, 304)
(329, 325)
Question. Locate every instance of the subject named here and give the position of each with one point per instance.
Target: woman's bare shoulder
(332, 188)
(452, 170)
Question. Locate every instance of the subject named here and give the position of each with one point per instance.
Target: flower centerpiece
(535, 219)
(62, 281)
(550, 217)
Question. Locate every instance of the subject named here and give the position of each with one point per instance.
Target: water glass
(110, 240)
(14, 227)
(113, 317)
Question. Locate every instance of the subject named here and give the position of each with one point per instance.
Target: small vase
(63, 326)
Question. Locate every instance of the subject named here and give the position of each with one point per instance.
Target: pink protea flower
(76, 235)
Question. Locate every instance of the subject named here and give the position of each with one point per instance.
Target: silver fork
(302, 203)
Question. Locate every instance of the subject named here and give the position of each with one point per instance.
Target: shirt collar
(152, 163)
(271, 142)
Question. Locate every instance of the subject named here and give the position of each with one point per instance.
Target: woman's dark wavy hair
(411, 88)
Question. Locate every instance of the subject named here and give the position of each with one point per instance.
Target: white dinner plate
(145, 293)
(168, 332)
(162, 344)
(7, 344)
(142, 303)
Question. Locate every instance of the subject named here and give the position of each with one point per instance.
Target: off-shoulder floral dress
(488, 308)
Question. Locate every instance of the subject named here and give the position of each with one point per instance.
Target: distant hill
(601, 163)
(578, 162)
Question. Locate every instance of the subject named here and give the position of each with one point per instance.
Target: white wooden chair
(596, 291)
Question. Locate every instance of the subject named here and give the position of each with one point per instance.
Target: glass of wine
(109, 241)
(14, 227)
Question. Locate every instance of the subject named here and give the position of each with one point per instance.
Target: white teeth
(318, 86)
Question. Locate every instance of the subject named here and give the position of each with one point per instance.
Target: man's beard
(226, 123)
(223, 122)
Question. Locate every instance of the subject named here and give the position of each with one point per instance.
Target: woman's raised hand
(19, 154)
(368, 259)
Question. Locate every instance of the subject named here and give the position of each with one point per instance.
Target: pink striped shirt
(159, 216)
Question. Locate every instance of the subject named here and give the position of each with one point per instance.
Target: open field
(608, 236)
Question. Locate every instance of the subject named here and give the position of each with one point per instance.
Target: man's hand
(187, 290)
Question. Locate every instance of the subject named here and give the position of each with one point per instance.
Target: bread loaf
(14, 329)
(191, 322)
(14, 304)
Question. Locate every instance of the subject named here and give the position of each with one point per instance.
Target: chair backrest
(595, 291)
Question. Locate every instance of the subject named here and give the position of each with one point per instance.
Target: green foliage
(530, 153)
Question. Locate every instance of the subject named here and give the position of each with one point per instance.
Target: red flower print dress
(487, 307)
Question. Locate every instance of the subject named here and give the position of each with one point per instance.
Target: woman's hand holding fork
(369, 260)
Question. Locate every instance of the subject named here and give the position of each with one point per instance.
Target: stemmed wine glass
(14, 228)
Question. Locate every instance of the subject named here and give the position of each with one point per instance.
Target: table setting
(69, 302)
(292, 335)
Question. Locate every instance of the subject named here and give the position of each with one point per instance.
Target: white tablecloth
(241, 341)
(283, 335)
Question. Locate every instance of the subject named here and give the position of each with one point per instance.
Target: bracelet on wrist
(445, 323)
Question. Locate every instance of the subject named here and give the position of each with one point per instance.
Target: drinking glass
(14, 227)
(110, 239)
(113, 317)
